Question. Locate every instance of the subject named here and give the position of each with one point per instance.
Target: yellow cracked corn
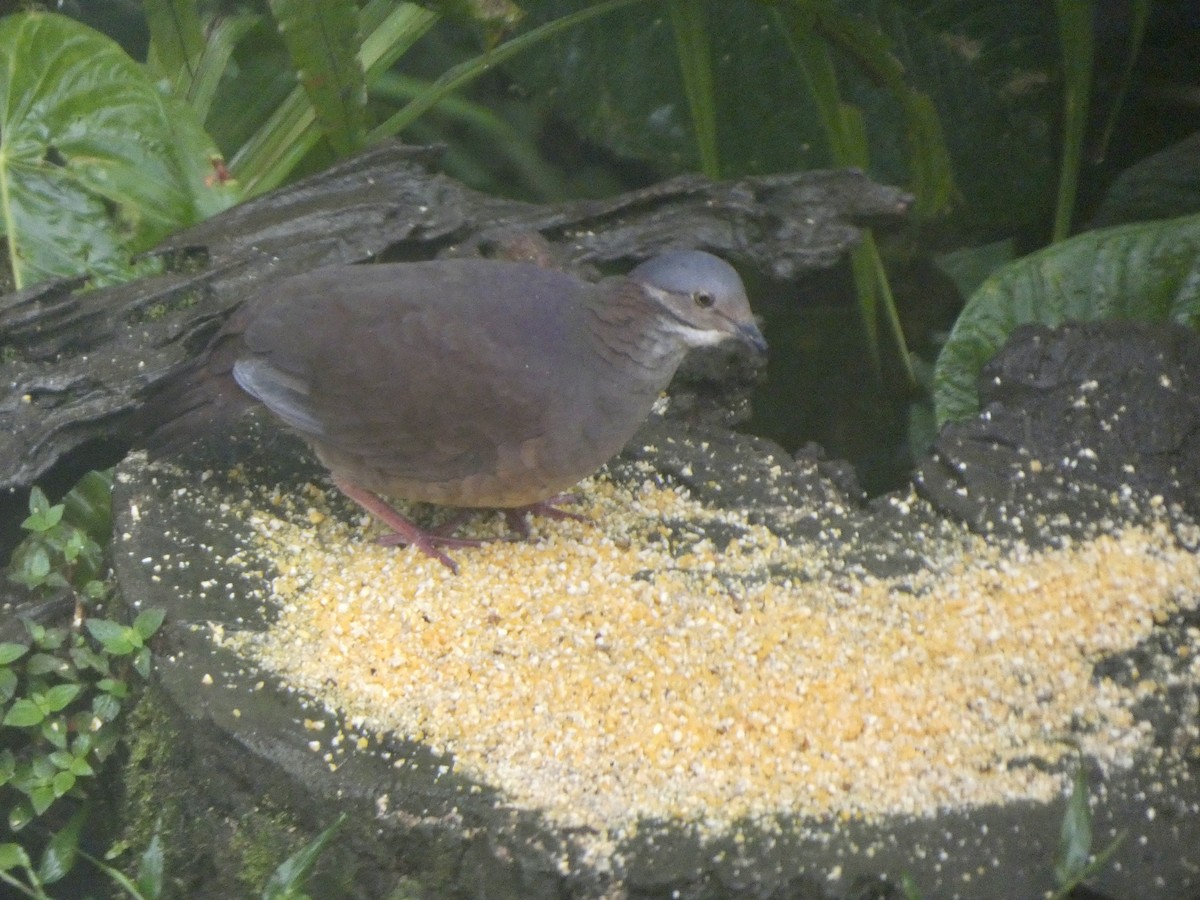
(593, 675)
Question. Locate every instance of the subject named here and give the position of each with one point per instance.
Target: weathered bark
(78, 367)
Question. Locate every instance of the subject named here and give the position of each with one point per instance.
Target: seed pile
(603, 673)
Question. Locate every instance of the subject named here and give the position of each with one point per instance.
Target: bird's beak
(749, 335)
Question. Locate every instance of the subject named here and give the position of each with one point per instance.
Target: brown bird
(473, 383)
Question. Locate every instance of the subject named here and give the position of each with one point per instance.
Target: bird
(472, 383)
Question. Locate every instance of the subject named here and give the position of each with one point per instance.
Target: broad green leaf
(1161, 186)
(24, 713)
(113, 686)
(1147, 271)
(290, 131)
(43, 518)
(61, 783)
(41, 770)
(12, 856)
(148, 621)
(693, 50)
(20, 815)
(44, 663)
(322, 39)
(112, 635)
(1077, 34)
(39, 503)
(89, 153)
(89, 505)
(35, 566)
(150, 868)
(106, 707)
(54, 730)
(223, 36)
(10, 652)
(42, 798)
(940, 108)
(62, 850)
(176, 41)
(60, 695)
(141, 662)
(288, 879)
(1075, 840)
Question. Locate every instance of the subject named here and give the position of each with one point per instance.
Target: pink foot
(516, 516)
(403, 531)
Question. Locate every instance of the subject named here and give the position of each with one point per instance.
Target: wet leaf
(322, 40)
(1148, 271)
(94, 161)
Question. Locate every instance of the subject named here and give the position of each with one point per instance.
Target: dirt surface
(735, 681)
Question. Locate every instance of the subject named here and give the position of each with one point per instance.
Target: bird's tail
(200, 401)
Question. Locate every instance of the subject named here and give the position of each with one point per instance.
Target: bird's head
(702, 298)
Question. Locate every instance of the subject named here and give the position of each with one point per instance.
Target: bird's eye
(704, 299)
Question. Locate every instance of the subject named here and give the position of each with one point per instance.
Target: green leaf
(286, 882)
(114, 686)
(322, 39)
(61, 758)
(12, 856)
(8, 684)
(149, 878)
(59, 696)
(45, 663)
(81, 743)
(39, 504)
(115, 638)
(62, 850)
(24, 713)
(20, 815)
(224, 34)
(693, 50)
(35, 565)
(89, 505)
(1163, 185)
(106, 707)
(176, 40)
(1075, 840)
(149, 621)
(1077, 34)
(41, 770)
(46, 638)
(42, 516)
(42, 798)
(141, 662)
(264, 159)
(89, 156)
(61, 783)
(74, 545)
(54, 730)
(1148, 271)
(11, 652)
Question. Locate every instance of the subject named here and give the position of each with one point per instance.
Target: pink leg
(516, 516)
(404, 531)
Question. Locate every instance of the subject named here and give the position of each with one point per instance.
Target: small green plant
(63, 687)
(57, 554)
(59, 857)
(287, 882)
(1074, 863)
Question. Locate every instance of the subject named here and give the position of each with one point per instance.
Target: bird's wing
(422, 370)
